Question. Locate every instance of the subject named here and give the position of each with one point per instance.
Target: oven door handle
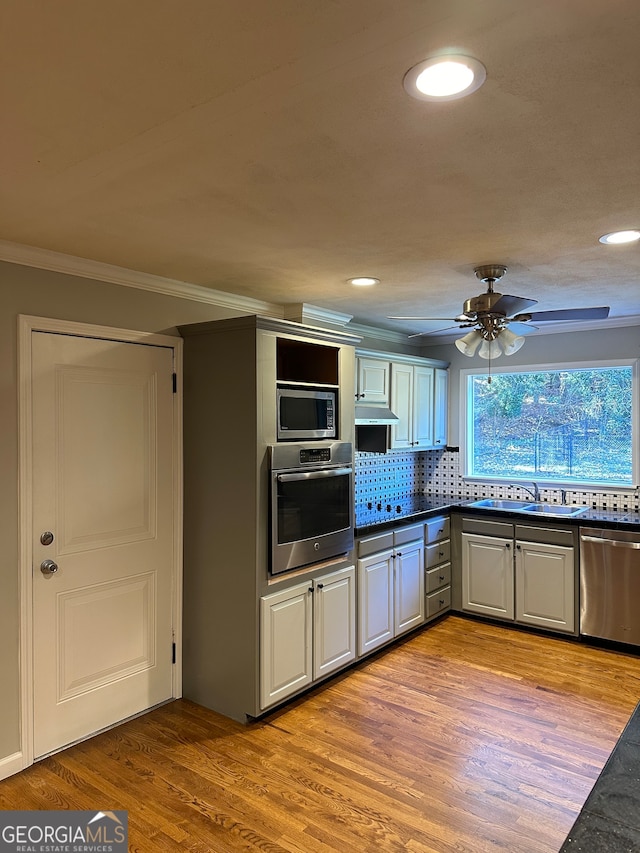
(313, 475)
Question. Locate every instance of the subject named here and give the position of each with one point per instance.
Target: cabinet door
(545, 586)
(409, 603)
(440, 407)
(375, 601)
(422, 407)
(402, 405)
(373, 381)
(286, 652)
(334, 621)
(487, 575)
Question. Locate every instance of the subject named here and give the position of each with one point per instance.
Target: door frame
(27, 325)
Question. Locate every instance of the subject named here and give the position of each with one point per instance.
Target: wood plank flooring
(467, 737)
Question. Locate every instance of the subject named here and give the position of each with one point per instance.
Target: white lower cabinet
(528, 575)
(306, 632)
(391, 596)
(545, 586)
(487, 575)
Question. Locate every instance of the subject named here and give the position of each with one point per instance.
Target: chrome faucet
(535, 492)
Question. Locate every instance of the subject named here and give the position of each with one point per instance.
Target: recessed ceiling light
(617, 238)
(364, 281)
(444, 78)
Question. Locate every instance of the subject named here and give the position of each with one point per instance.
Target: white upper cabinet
(373, 382)
(412, 400)
(440, 407)
(416, 391)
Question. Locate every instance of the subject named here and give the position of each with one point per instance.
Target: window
(563, 425)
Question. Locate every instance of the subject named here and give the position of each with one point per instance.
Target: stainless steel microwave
(306, 414)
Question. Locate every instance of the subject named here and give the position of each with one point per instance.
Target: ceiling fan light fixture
(469, 343)
(509, 342)
(620, 238)
(490, 349)
(445, 77)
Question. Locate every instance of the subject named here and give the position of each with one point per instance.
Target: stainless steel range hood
(374, 416)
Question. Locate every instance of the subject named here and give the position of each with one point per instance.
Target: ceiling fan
(489, 314)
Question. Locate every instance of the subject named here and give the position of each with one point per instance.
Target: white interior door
(102, 491)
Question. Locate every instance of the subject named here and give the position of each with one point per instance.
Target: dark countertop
(370, 520)
(610, 819)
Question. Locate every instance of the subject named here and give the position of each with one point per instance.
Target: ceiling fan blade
(509, 305)
(443, 319)
(434, 332)
(521, 328)
(571, 314)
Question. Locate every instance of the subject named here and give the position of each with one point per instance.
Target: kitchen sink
(555, 509)
(528, 506)
(490, 503)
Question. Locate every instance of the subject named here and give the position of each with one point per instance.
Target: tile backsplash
(398, 474)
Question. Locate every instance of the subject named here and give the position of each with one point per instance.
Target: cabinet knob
(507, 545)
(319, 586)
(519, 547)
(440, 577)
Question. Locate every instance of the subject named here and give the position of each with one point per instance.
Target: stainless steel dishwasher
(610, 584)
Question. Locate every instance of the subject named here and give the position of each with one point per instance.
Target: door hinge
(173, 652)
(174, 379)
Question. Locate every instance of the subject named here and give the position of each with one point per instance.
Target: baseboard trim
(11, 765)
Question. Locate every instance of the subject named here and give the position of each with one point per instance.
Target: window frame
(574, 485)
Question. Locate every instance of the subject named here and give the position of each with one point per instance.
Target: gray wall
(30, 291)
(552, 349)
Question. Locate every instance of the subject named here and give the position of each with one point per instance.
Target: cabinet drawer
(436, 529)
(439, 552)
(438, 601)
(373, 544)
(440, 576)
(408, 534)
(546, 535)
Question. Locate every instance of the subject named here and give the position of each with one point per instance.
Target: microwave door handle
(313, 475)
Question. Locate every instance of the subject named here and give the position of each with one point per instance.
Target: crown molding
(31, 256)
(303, 312)
(383, 334)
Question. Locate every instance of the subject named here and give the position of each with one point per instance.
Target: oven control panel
(315, 455)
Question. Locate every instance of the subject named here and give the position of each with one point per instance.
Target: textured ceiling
(268, 149)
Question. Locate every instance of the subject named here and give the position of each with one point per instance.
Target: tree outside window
(562, 425)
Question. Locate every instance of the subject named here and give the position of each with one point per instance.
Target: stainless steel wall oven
(311, 503)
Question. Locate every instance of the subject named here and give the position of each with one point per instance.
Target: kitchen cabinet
(545, 582)
(232, 370)
(307, 631)
(440, 407)
(373, 381)
(487, 575)
(412, 401)
(437, 560)
(416, 391)
(520, 572)
(390, 586)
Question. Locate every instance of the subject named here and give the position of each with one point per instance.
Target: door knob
(48, 567)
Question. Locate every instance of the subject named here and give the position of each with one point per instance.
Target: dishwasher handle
(617, 543)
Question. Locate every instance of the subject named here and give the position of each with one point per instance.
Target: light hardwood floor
(467, 737)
